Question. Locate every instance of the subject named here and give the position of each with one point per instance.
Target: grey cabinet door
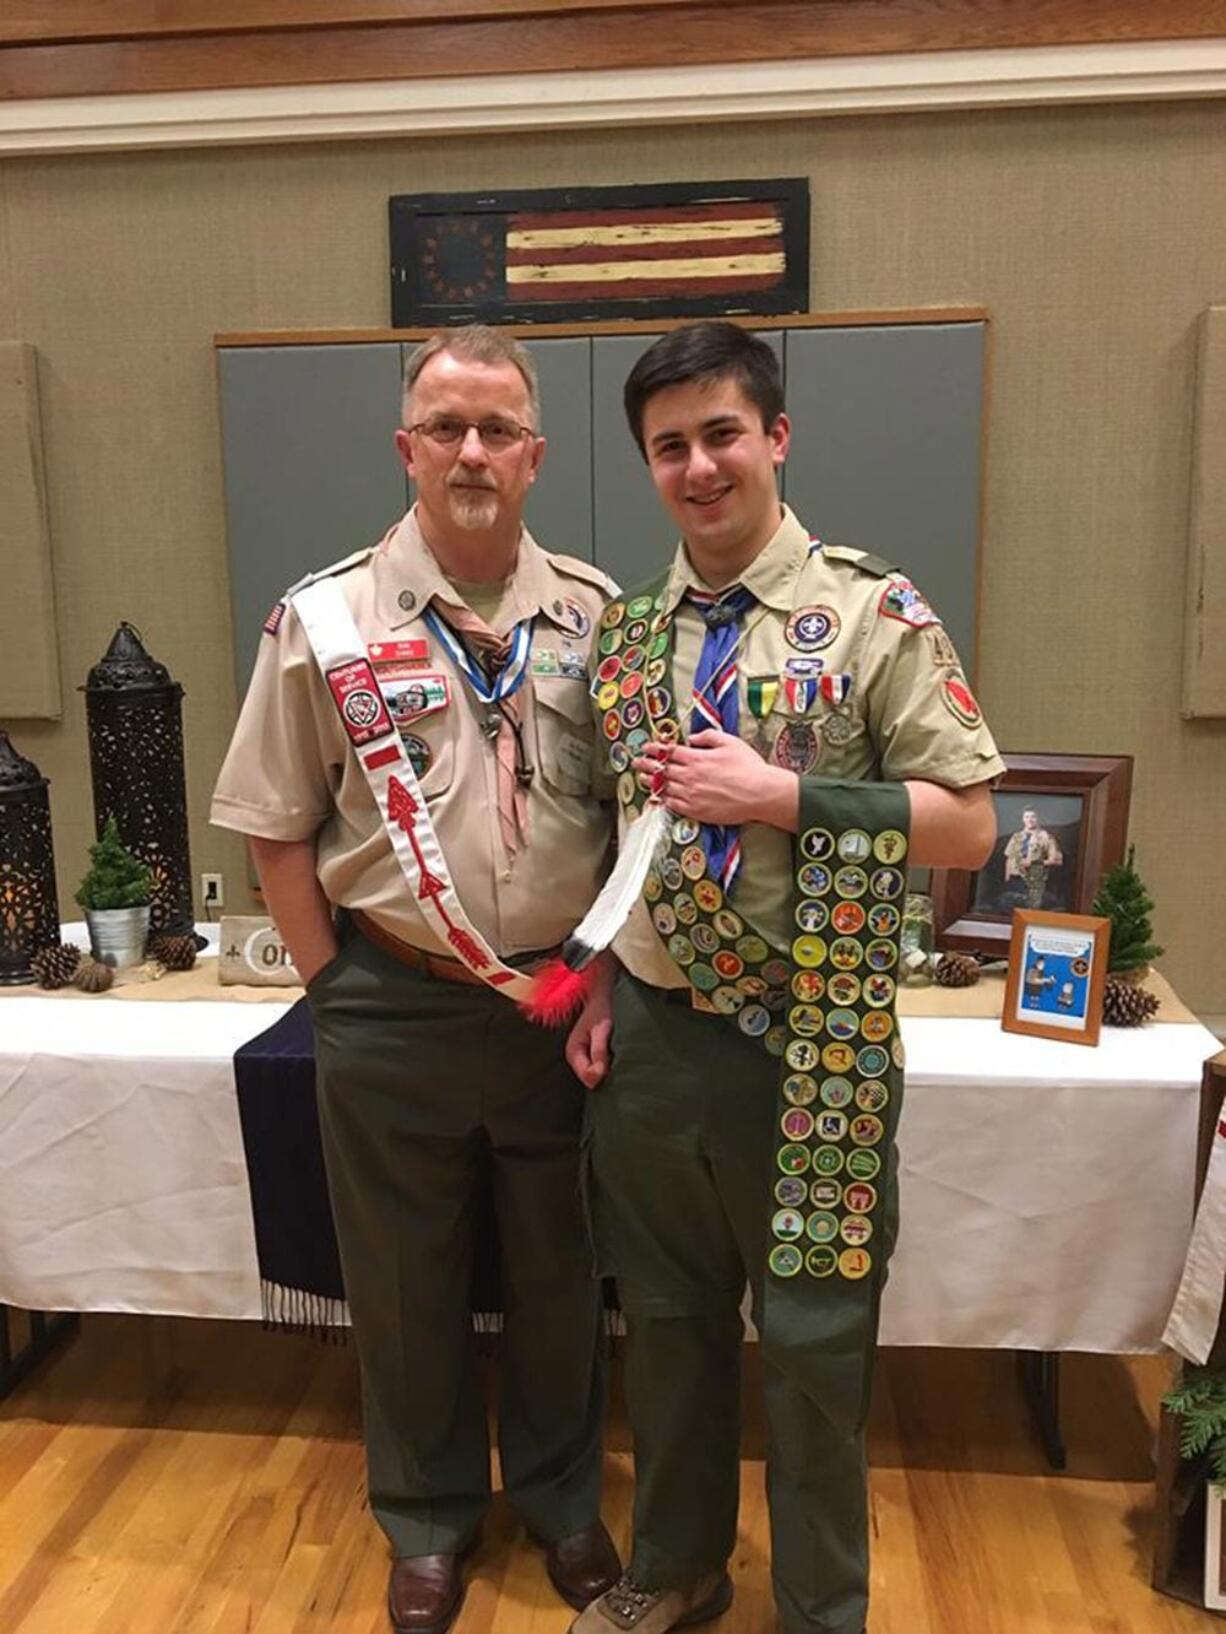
(634, 537)
(886, 436)
(311, 472)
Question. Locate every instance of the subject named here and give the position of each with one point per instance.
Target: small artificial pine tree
(116, 879)
(1123, 899)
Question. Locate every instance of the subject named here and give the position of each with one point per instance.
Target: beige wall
(1094, 236)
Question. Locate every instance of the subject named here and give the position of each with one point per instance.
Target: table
(1046, 1187)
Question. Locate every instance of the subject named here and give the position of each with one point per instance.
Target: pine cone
(175, 952)
(92, 977)
(1125, 1004)
(55, 966)
(957, 970)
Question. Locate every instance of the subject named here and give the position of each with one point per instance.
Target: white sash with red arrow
(341, 655)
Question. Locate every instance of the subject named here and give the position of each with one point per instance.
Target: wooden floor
(180, 1477)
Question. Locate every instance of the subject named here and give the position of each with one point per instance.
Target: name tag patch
(413, 654)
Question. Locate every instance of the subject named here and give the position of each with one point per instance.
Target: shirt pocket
(565, 733)
(430, 746)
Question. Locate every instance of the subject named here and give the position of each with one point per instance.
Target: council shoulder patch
(902, 601)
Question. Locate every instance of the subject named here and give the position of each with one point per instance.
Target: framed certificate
(1057, 971)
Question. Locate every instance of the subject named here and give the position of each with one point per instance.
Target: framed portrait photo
(1057, 971)
(1061, 823)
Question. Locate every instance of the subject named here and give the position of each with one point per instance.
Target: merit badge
(801, 1055)
(607, 694)
(817, 844)
(797, 1123)
(619, 757)
(652, 886)
(844, 988)
(659, 701)
(799, 1089)
(821, 1262)
(822, 1227)
(812, 916)
(901, 600)
(631, 684)
(708, 895)
(827, 1161)
(831, 1126)
(796, 748)
(754, 1020)
(883, 919)
(612, 615)
(639, 607)
(703, 978)
(890, 845)
(775, 1040)
(805, 1019)
(655, 672)
(855, 1263)
(847, 918)
(888, 883)
(960, 700)
(664, 918)
(411, 700)
(856, 1230)
(790, 1190)
(846, 953)
(633, 713)
(686, 909)
(793, 1159)
(842, 1024)
(877, 1025)
(609, 643)
(636, 631)
(788, 1224)
(836, 1092)
(727, 1000)
(825, 1194)
(866, 1130)
(897, 1053)
(775, 972)
(693, 862)
(838, 1059)
(752, 949)
(685, 830)
(854, 845)
(359, 701)
(851, 882)
(729, 925)
(872, 1061)
(608, 669)
(813, 879)
(881, 955)
(728, 965)
(681, 950)
(863, 1164)
(633, 658)
(418, 751)
(872, 1095)
(878, 991)
(860, 1197)
(809, 951)
(705, 940)
(612, 722)
(808, 986)
(785, 1259)
(811, 628)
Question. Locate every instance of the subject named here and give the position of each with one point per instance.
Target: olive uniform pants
(415, 1077)
(682, 1139)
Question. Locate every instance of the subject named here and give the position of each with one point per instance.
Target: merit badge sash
(826, 1009)
(343, 662)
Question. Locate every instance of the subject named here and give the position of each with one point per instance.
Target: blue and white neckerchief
(511, 674)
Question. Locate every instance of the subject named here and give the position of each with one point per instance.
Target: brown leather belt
(437, 965)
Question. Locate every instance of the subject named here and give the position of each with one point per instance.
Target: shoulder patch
(902, 601)
(863, 559)
(343, 566)
(574, 568)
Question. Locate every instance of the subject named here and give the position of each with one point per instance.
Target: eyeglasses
(495, 433)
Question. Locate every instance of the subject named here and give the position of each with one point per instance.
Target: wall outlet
(212, 891)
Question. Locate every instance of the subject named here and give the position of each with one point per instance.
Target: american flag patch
(273, 622)
(566, 254)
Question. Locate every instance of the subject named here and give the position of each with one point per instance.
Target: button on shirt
(898, 723)
(290, 773)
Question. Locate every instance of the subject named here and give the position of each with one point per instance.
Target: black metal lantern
(135, 715)
(29, 906)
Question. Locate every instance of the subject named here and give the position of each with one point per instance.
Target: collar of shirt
(408, 578)
(771, 576)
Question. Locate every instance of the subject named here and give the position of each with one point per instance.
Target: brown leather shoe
(425, 1593)
(582, 1566)
(629, 1609)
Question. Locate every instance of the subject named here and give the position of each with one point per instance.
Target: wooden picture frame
(1057, 973)
(1081, 806)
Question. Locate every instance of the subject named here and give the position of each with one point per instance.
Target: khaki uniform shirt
(290, 773)
(903, 722)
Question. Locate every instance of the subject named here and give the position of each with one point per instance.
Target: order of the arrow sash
(341, 655)
(828, 1008)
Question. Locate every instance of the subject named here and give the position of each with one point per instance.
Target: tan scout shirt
(902, 721)
(290, 773)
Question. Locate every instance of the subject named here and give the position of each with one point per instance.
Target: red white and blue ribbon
(716, 705)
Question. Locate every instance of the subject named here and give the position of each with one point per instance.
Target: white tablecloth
(1046, 1187)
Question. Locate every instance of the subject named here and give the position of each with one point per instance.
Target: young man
(416, 750)
(810, 732)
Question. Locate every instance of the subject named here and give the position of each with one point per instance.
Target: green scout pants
(414, 1077)
(682, 1143)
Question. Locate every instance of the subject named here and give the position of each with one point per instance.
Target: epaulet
(573, 568)
(877, 566)
(343, 566)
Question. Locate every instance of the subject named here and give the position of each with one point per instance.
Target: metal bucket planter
(117, 936)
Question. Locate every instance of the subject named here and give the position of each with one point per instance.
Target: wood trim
(621, 326)
(151, 50)
(581, 101)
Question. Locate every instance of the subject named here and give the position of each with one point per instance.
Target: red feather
(558, 993)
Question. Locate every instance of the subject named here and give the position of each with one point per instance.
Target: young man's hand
(718, 778)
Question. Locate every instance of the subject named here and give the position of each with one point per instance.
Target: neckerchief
(716, 704)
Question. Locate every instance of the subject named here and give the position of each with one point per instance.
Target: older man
(416, 751)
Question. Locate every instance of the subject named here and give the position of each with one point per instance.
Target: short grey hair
(475, 343)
